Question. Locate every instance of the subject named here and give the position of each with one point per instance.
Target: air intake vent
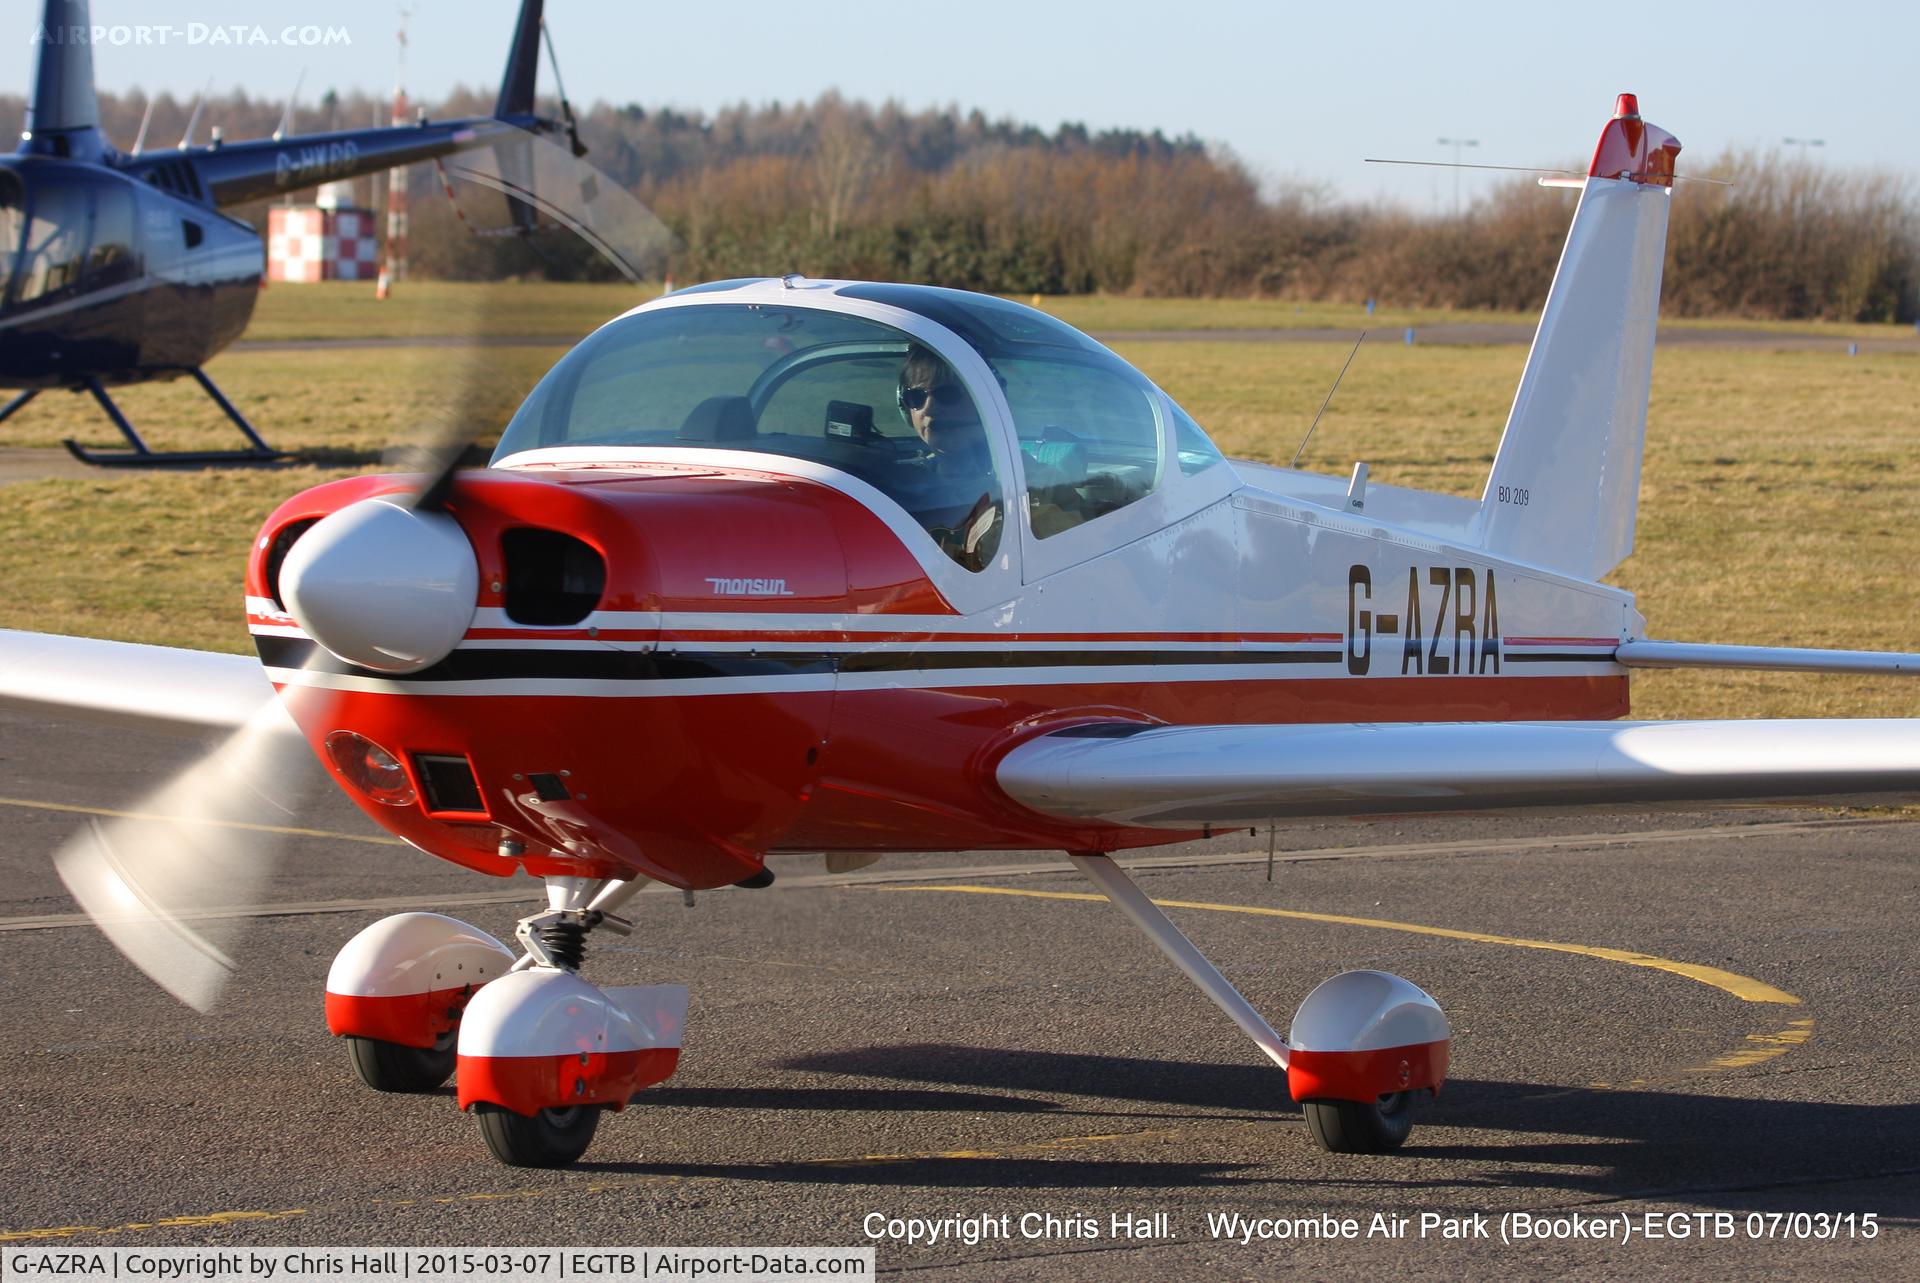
(552, 578)
(449, 782)
(283, 542)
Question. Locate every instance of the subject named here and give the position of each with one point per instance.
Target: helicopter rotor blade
(541, 178)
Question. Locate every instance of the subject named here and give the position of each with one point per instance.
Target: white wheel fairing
(546, 1039)
(542, 1012)
(415, 953)
(1366, 1011)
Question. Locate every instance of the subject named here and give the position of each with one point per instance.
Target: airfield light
(370, 768)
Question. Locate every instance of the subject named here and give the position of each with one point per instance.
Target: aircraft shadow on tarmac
(1641, 1142)
(1239, 1088)
(867, 1099)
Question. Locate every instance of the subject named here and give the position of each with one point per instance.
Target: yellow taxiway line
(1745, 988)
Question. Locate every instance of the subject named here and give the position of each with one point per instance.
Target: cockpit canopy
(72, 231)
(791, 377)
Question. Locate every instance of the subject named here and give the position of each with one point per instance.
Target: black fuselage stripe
(659, 665)
(1558, 657)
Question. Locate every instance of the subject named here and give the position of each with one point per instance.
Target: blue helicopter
(122, 268)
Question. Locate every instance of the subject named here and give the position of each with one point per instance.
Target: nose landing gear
(539, 1052)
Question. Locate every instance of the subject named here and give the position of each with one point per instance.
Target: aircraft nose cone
(382, 586)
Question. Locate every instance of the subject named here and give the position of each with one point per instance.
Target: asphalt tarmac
(1698, 1027)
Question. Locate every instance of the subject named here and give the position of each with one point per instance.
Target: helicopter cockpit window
(852, 394)
(13, 222)
(51, 258)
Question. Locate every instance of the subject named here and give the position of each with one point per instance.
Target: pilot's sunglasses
(946, 394)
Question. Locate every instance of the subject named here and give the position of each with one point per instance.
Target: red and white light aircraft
(797, 565)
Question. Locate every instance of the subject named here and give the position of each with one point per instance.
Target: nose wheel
(547, 1138)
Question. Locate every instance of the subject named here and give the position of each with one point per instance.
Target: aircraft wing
(1188, 777)
(159, 687)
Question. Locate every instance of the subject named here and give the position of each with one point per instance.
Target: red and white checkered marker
(309, 243)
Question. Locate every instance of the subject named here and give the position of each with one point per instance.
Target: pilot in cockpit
(961, 507)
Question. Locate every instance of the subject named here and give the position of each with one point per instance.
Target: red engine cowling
(560, 735)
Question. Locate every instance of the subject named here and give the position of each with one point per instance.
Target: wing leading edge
(1185, 777)
(158, 687)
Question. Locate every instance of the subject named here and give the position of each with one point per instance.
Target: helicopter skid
(141, 456)
(179, 458)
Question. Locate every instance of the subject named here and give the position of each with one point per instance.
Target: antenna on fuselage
(1295, 461)
(146, 118)
(286, 117)
(193, 121)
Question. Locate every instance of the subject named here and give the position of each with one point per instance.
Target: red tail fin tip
(1633, 149)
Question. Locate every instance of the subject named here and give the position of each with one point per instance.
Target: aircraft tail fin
(523, 61)
(1565, 485)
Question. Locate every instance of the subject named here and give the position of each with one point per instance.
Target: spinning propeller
(387, 584)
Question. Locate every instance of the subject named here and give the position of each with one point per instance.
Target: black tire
(1349, 1127)
(550, 1138)
(387, 1066)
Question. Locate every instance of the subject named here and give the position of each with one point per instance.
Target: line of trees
(838, 188)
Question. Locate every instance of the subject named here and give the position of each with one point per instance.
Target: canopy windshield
(852, 394)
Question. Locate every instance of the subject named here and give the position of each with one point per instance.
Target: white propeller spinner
(383, 586)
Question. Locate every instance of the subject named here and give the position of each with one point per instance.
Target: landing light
(370, 768)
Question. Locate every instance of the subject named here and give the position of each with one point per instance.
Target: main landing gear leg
(542, 1052)
(1145, 914)
(1361, 1044)
(141, 456)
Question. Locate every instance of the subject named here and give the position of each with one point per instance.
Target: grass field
(343, 309)
(340, 309)
(1778, 504)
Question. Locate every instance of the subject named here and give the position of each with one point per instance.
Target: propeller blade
(169, 881)
(172, 881)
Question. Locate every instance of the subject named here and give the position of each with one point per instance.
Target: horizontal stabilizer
(1186, 777)
(1779, 659)
(158, 687)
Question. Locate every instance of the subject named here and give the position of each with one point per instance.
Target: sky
(1299, 92)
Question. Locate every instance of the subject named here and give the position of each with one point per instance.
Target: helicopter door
(56, 243)
(110, 256)
(13, 225)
